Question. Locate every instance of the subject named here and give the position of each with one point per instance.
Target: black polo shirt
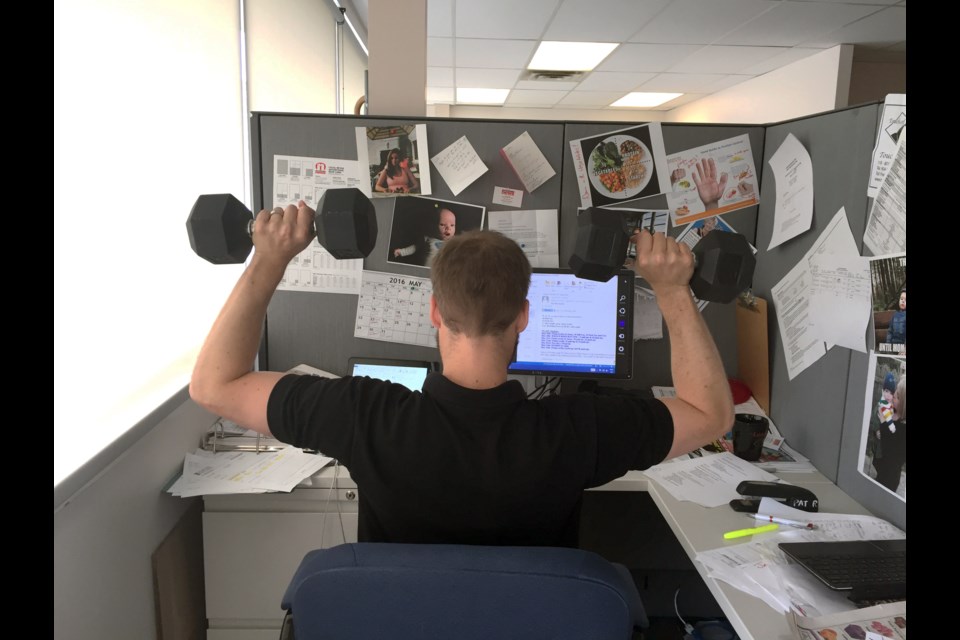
(456, 465)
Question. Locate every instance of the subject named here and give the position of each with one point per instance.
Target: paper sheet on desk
(709, 481)
(205, 473)
(759, 568)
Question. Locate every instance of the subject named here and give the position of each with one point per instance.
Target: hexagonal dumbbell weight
(724, 261)
(220, 227)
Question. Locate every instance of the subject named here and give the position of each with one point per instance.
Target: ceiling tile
(700, 21)
(440, 95)
(581, 98)
(440, 18)
(439, 52)
(439, 76)
(547, 85)
(601, 20)
(686, 98)
(726, 82)
(788, 56)
(681, 82)
(510, 19)
(646, 57)
(725, 59)
(486, 78)
(494, 54)
(885, 27)
(543, 98)
(790, 23)
(613, 81)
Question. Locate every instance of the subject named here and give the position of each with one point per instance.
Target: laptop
(870, 570)
(409, 373)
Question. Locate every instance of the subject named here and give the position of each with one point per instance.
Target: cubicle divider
(820, 411)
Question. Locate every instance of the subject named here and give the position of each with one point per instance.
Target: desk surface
(697, 528)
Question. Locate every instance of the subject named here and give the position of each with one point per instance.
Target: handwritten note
(529, 163)
(459, 165)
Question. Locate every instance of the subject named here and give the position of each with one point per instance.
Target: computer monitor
(578, 328)
(409, 373)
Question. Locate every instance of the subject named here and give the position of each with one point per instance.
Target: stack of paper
(207, 473)
(759, 568)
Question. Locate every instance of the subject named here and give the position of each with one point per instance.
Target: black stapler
(788, 494)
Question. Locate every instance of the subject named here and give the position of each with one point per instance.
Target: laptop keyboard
(870, 568)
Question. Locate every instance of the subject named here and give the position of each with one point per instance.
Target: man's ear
(524, 317)
(435, 319)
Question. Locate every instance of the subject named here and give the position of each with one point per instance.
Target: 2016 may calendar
(395, 308)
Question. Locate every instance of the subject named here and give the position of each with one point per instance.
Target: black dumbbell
(724, 261)
(221, 227)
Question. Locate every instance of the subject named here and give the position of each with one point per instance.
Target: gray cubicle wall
(652, 357)
(820, 411)
(317, 328)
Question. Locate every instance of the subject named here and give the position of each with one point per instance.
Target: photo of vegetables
(620, 166)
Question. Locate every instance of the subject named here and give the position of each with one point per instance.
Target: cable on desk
(686, 626)
(326, 505)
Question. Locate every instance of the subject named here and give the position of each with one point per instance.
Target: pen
(739, 533)
(799, 524)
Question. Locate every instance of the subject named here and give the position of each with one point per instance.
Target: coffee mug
(749, 432)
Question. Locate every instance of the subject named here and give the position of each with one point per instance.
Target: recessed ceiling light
(645, 99)
(482, 96)
(570, 56)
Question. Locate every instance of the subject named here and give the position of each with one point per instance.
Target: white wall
(812, 85)
(291, 48)
(105, 534)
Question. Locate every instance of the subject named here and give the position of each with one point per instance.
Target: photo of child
(422, 225)
(883, 448)
(888, 277)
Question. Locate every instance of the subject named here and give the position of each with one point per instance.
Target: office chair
(381, 590)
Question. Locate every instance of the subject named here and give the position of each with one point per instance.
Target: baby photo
(422, 225)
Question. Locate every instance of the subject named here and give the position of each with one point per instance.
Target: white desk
(253, 544)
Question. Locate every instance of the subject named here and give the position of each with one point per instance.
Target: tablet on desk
(409, 373)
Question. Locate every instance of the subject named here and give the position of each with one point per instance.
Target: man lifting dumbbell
(471, 459)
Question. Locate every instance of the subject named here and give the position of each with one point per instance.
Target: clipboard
(753, 354)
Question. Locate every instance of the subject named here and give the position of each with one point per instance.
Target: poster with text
(712, 179)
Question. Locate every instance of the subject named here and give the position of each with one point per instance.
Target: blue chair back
(379, 590)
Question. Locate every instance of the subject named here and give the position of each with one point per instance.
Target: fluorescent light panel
(482, 96)
(570, 56)
(645, 99)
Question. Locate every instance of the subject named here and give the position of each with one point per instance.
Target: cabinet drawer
(249, 558)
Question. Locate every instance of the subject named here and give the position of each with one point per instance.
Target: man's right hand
(279, 235)
(662, 262)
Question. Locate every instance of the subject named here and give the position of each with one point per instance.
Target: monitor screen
(578, 328)
(409, 373)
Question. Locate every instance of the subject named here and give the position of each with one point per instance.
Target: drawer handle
(350, 494)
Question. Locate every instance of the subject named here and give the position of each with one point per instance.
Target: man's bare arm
(703, 408)
(223, 381)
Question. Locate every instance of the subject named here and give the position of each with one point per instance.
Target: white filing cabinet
(253, 543)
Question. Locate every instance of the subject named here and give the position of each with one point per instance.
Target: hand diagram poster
(712, 179)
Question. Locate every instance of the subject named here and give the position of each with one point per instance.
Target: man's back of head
(480, 282)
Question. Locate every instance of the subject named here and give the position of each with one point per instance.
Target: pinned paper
(459, 165)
